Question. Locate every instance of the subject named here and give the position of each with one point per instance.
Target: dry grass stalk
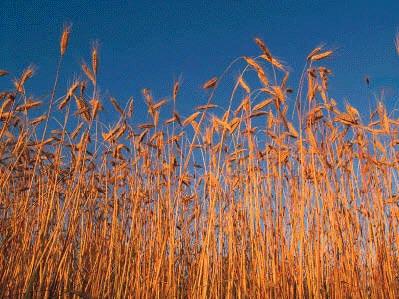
(244, 203)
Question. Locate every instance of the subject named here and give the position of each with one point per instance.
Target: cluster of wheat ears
(203, 206)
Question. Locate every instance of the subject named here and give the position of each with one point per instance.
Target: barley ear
(65, 39)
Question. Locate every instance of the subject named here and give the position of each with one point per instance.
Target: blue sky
(152, 43)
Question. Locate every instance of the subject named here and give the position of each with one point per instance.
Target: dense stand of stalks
(247, 203)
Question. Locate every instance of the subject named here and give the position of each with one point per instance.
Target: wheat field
(283, 193)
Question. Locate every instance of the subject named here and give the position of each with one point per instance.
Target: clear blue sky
(151, 43)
